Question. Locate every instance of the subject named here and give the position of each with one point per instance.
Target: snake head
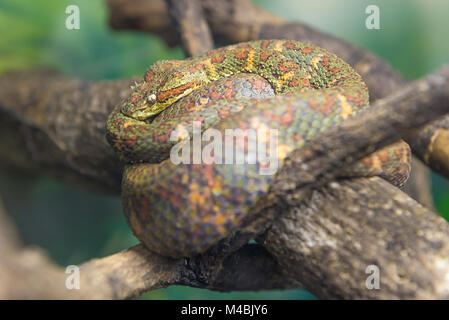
(142, 103)
(164, 83)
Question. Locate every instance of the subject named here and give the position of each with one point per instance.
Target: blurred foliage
(35, 35)
(74, 225)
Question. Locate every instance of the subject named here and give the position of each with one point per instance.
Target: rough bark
(53, 125)
(191, 24)
(432, 145)
(423, 100)
(326, 242)
(28, 273)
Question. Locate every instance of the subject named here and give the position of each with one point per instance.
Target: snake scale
(180, 210)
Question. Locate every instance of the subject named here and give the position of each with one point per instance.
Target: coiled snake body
(183, 209)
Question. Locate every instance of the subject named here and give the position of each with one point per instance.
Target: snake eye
(151, 98)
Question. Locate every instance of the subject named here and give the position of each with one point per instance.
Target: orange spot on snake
(241, 54)
(327, 106)
(306, 50)
(325, 62)
(289, 66)
(214, 95)
(163, 136)
(264, 56)
(131, 141)
(164, 95)
(383, 156)
(334, 71)
(144, 86)
(149, 75)
(135, 98)
(287, 117)
(367, 162)
(290, 45)
(264, 44)
(223, 113)
(218, 58)
(195, 68)
(127, 124)
(305, 82)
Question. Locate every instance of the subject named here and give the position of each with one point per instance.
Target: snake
(183, 208)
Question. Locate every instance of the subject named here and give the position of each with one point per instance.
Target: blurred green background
(74, 225)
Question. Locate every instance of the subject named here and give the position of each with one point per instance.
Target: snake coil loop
(180, 210)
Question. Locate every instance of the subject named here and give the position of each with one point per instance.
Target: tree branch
(326, 242)
(28, 273)
(415, 105)
(191, 24)
(432, 145)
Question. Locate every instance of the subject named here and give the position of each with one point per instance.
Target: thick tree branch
(191, 24)
(326, 242)
(28, 273)
(323, 244)
(53, 125)
(129, 273)
(415, 105)
(432, 145)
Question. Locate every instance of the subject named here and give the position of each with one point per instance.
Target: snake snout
(137, 108)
